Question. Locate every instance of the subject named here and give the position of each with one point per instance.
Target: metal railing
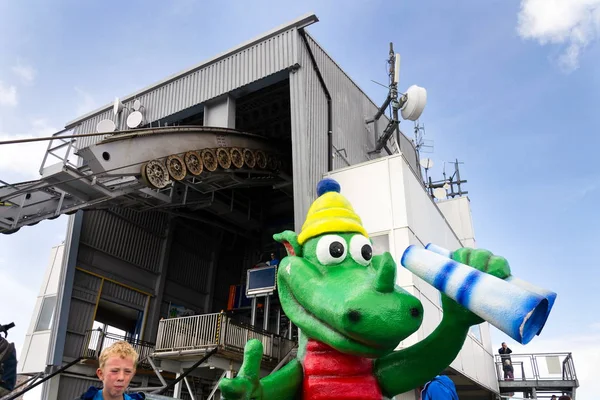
(217, 330)
(536, 367)
(61, 149)
(96, 340)
(188, 333)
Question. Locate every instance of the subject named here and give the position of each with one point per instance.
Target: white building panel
(37, 340)
(388, 196)
(34, 360)
(56, 262)
(457, 212)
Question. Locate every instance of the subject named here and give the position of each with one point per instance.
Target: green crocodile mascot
(351, 315)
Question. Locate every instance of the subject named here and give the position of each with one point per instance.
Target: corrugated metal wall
(81, 313)
(350, 109)
(239, 69)
(309, 133)
(122, 295)
(130, 236)
(351, 136)
(190, 258)
(71, 388)
(232, 265)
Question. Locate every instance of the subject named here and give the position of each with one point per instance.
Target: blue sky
(513, 90)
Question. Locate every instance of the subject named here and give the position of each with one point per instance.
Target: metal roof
(298, 23)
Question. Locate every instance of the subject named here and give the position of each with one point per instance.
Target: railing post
(278, 348)
(536, 371)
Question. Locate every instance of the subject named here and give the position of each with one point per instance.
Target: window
(46, 313)
(475, 331)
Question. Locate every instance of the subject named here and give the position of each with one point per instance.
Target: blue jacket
(92, 392)
(439, 388)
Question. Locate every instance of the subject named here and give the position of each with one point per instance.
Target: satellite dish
(134, 119)
(439, 193)
(446, 186)
(117, 106)
(137, 105)
(413, 106)
(426, 163)
(106, 126)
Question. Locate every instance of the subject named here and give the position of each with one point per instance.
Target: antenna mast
(410, 105)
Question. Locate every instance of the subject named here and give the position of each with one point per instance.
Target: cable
(41, 139)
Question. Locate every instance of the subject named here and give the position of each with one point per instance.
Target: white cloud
(26, 72)
(8, 95)
(571, 23)
(22, 161)
(86, 103)
(17, 305)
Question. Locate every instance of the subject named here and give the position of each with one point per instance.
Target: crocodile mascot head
(335, 289)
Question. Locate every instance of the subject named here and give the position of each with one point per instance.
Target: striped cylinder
(545, 293)
(515, 311)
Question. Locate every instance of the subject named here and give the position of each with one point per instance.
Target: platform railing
(61, 149)
(188, 333)
(539, 367)
(96, 340)
(199, 332)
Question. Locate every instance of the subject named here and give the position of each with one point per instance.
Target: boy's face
(116, 375)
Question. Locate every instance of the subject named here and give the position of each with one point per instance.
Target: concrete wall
(391, 201)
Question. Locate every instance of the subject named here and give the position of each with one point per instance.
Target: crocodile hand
(483, 261)
(246, 385)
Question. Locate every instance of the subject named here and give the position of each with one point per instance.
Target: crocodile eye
(361, 249)
(331, 250)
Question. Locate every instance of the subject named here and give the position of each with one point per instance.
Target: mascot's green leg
(282, 385)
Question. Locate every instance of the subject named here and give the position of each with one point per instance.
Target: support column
(278, 330)
(60, 321)
(266, 312)
(177, 388)
(253, 312)
(212, 274)
(220, 112)
(151, 328)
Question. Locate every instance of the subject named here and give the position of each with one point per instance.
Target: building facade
(123, 271)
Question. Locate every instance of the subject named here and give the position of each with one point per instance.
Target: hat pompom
(327, 185)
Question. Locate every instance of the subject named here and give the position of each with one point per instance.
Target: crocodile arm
(414, 366)
(284, 384)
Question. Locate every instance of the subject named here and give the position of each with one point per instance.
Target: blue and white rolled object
(547, 294)
(518, 312)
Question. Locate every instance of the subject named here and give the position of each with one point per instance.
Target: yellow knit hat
(330, 213)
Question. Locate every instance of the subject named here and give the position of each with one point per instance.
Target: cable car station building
(180, 197)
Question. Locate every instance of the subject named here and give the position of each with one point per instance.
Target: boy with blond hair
(116, 369)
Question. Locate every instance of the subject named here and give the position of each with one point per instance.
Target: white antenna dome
(106, 126)
(426, 163)
(416, 98)
(117, 106)
(439, 193)
(135, 119)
